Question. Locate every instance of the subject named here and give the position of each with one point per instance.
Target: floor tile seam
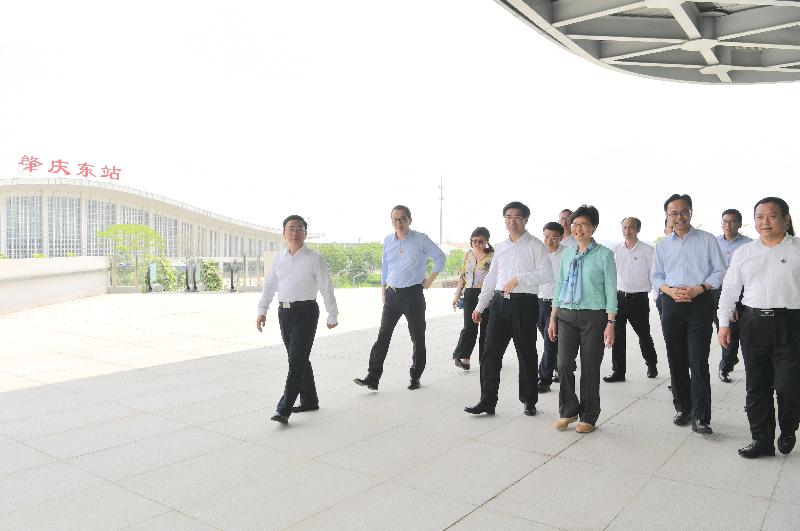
(65, 459)
(505, 513)
(161, 414)
(192, 403)
(133, 413)
(476, 438)
(348, 445)
(778, 480)
(629, 502)
(711, 487)
(57, 498)
(117, 481)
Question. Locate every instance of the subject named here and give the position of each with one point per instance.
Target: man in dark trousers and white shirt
(729, 241)
(768, 270)
(297, 274)
(521, 264)
(403, 267)
(687, 266)
(634, 259)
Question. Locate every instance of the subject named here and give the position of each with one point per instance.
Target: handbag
(461, 302)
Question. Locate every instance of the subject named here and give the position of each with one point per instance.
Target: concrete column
(3, 228)
(84, 224)
(46, 223)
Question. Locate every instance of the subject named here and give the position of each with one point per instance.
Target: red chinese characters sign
(30, 164)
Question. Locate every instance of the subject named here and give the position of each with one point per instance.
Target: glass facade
(24, 226)
(168, 229)
(64, 226)
(134, 215)
(100, 216)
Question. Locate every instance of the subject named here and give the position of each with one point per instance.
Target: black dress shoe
(681, 419)
(756, 449)
(530, 410)
(461, 365)
(277, 417)
(786, 442)
(370, 384)
(555, 377)
(652, 372)
(723, 376)
(304, 407)
(413, 384)
(701, 427)
(614, 377)
(543, 387)
(479, 408)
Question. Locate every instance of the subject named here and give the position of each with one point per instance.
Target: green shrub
(209, 275)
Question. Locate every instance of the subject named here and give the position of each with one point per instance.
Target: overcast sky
(339, 110)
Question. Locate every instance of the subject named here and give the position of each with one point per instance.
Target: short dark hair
(295, 217)
(553, 225)
(782, 205)
(566, 210)
(587, 211)
(637, 221)
(734, 212)
(526, 212)
(404, 208)
(675, 197)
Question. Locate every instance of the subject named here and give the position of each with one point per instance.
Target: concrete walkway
(151, 412)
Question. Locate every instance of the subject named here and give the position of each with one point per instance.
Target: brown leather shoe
(584, 427)
(562, 423)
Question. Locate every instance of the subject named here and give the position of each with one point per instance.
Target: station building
(55, 217)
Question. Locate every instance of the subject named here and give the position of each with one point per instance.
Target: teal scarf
(571, 289)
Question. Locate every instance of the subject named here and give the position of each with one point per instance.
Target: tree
(131, 240)
(454, 261)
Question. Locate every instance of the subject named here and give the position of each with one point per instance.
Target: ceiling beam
(566, 12)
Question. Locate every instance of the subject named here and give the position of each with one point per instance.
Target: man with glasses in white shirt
(519, 267)
(403, 269)
(297, 274)
(729, 241)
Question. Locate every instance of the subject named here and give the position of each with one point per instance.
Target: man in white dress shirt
(633, 259)
(297, 274)
(552, 233)
(768, 269)
(519, 267)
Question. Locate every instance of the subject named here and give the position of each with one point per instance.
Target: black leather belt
(295, 304)
(398, 290)
(769, 312)
(546, 300)
(629, 295)
(514, 295)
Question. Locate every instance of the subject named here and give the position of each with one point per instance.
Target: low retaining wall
(32, 282)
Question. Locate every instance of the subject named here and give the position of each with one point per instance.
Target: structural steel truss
(749, 41)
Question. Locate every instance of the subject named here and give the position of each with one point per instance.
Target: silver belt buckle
(766, 313)
(286, 305)
(506, 295)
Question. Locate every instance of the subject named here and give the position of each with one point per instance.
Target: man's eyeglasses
(683, 213)
(514, 218)
(404, 219)
(294, 229)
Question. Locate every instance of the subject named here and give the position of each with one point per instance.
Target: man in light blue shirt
(729, 241)
(687, 265)
(403, 268)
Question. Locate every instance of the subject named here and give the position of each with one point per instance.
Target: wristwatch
(612, 321)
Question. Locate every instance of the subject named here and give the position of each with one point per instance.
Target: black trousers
(298, 328)
(466, 340)
(687, 330)
(730, 355)
(410, 302)
(549, 361)
(635, 307)
(580, 331)
(514, 318)
(771, 352)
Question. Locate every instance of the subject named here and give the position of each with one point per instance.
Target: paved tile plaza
(151, 412)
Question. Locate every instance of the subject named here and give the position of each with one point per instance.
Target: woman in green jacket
(583, 318)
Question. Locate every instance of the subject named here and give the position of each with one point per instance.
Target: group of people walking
(580, 295)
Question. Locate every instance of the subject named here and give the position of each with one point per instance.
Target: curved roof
(80, 184)
(749, 41)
